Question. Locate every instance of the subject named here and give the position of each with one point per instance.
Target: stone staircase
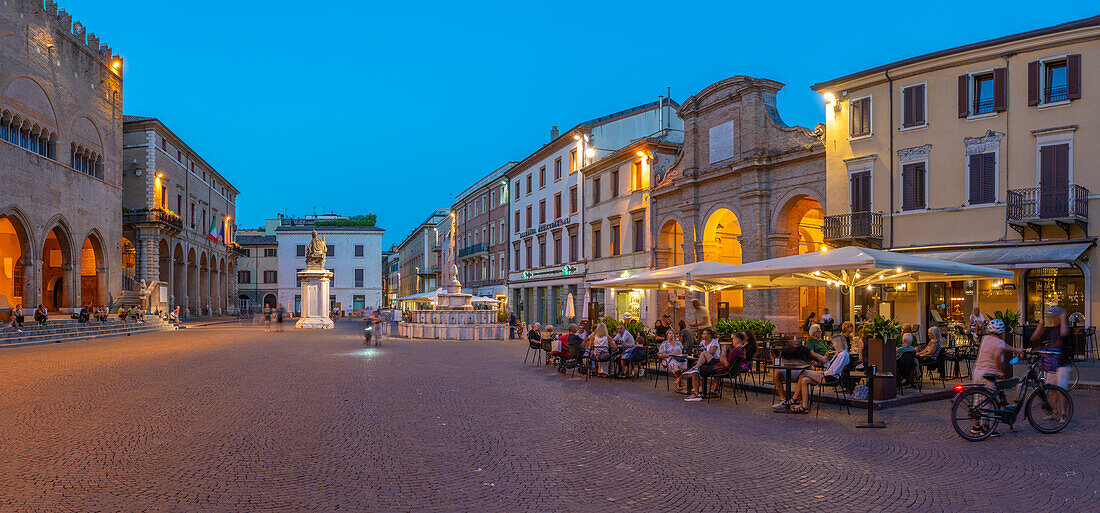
(60, 329)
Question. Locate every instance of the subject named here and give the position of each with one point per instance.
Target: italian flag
(213, 235)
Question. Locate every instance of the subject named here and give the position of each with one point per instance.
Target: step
(84, 337)
(48, 329)
(93, 330)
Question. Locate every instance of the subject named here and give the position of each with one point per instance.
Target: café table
(787, 368)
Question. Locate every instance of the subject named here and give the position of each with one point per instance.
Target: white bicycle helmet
(995, 326)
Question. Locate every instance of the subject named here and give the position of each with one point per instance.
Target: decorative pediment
(991, 141)
(917, 153)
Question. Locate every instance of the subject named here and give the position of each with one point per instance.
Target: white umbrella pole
(852, 303)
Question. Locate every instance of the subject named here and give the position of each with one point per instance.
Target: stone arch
(179, 279)
(29, 97)
(270, 300)
(87, 133)
(93, 270)
(721, 242)
(16, 258)
(57, 266)
(799, 229)
(670, 244)
(192, 294)
(204, 282)
(164, 261)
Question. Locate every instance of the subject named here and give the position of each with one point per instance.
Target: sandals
(799, 409)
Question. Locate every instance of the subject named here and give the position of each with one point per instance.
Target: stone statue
(315, 253)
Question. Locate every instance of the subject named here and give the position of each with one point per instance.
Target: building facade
(747, 187)
(258, 267)
(60, 127)
(354, 257)
(390, 269)
(618, 222)
(547, 227)
(418, 257)
(481, 235)
(178, 216)
(978, 154)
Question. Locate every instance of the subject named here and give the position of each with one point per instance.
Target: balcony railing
(472, 249)
(854, 226)
(153, 216)
(1037, 206)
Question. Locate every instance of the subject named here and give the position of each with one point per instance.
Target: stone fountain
(453, 316)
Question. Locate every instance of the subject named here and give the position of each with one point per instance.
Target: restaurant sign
(543, 227)
(565, 270)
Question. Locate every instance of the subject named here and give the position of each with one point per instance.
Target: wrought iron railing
(1056, 93)
(128, 282)
(153, 216)
(1069, 202)
(982, 106)
(856, 225)
(472, 249)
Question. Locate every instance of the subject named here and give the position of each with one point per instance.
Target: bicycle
(977, 409)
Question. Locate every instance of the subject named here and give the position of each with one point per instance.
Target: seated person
(709, 348)
(534, 336)
(139, 314)
(932, 348)
(546, 342)
(906, 360)
(84, 315)
(123, 313)
(800, 400)
(632, 351)
(710, 366)
(576, 344)
(40, 316)
(671, 355)
(794, 354)
(815, 341)
(600, 349)
(17, 317)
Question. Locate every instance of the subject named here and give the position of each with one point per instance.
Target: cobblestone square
(229, 418)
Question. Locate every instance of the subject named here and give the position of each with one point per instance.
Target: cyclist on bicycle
(989, 365)
(1056, 336)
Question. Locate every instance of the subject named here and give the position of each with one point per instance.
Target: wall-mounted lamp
(831, 101)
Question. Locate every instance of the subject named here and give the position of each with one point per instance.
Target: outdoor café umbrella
(585, 304)
(847, 267)
(685, 276)
(570, 310)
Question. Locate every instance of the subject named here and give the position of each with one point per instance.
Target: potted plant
(881, 328)
(1011, 318)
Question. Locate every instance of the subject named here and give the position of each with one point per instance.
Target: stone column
(32, 282)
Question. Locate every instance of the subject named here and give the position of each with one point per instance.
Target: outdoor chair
(734, 375)
(533, 346)
(838, 389)
(593, 364)
(936, 363)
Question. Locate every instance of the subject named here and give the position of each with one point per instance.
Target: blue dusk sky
(394, 107)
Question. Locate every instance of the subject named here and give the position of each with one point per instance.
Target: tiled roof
(126, 118)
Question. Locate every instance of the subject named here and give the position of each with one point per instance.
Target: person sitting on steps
(40, 316)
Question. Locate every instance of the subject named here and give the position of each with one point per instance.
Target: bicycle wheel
(972, 414)
(1074, 375)
(1049, 409)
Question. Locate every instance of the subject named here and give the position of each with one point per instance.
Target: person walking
(279, 313)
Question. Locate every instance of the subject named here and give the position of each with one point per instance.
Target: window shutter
(1000, 89)
(866, 111)
(1033, 83)
(922, 199)
(989, 195)
(908, 187)
(907, 106)
(964, 96)
(918, 105)
(1073, 76)
(975, 172)
(856, 193)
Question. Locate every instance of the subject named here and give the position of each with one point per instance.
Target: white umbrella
(585, 304)
(485, 300)
(848, 267)
(570, 310)
(686, 276)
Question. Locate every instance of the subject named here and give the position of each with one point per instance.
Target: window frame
(901, 180)
(924, 104)
(1054, 139)
(867, 166)
(870, 118)
(1043, 101)
(996, 178)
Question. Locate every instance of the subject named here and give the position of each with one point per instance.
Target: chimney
(554, 132)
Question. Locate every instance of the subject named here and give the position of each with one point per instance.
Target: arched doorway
(722, 243)
(192, 281)
(56, 267)
(670, 252)
(179, 279)
(804, 220)
(91, 268)
(269, 300)
(13, 259)
(204, 284)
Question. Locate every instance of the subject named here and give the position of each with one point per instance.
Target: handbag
(860, 393)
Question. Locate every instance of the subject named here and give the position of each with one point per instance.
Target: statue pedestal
(315, 305)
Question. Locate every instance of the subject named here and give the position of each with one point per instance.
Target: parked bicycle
(978, 409)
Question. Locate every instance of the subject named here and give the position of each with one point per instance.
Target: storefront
(542, 296)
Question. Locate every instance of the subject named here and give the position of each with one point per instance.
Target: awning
(1017, 257)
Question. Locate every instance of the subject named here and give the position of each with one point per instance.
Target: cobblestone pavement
(229, 418)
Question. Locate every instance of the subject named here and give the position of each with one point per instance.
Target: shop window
(1047, 287)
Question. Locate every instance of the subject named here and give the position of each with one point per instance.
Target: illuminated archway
(13, 261)
(721, 242)
(57, 262)
(804, 219)
(91, 271)
(670, 245)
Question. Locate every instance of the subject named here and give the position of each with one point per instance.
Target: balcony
(472, 250)
(1036, 207)
(856, 228)
(162, 217)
